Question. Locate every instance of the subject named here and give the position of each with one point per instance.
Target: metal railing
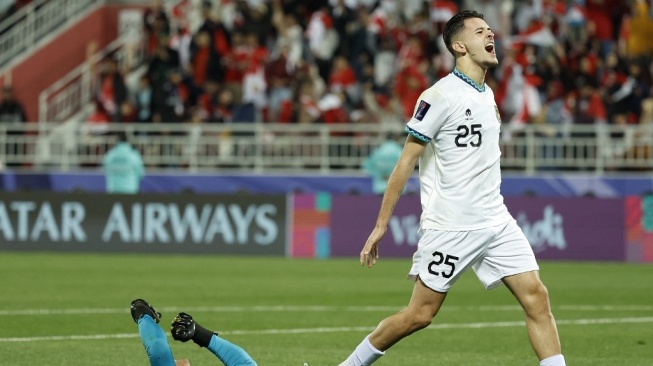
(24, 29)
(71, 93)
(298, 147)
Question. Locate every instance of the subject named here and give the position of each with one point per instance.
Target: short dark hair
(122, 136)
(455, 25)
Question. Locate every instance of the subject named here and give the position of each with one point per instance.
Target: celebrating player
(454, 133)
(184, 329)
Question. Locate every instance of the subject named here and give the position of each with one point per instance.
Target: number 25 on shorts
(438, 259)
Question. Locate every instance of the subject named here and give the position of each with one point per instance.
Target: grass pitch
(72, 309)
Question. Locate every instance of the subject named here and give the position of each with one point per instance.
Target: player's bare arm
(183, 362)
(413, 149)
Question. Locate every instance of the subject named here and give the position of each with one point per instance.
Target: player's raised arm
(413, 149)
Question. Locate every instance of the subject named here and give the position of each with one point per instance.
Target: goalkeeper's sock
(229, 353)
(155, 342)
(557, 360)
(202, 336)
(365, 354)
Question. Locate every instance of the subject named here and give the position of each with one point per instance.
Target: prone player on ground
(183, 328)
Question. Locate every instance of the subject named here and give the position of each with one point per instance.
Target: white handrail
(72, 92)
(310, 147)
(23, 30)
(20, 13)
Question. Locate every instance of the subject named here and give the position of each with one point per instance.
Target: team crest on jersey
(421, 110)
(496, 109)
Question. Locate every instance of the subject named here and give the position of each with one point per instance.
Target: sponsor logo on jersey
(422, 109)
(468, 115)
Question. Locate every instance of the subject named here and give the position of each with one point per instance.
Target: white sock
(557, 360)
(364, 355)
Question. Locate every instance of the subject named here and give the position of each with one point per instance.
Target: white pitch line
(283, 308)
(338, 329)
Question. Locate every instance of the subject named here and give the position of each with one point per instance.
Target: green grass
(104, 284)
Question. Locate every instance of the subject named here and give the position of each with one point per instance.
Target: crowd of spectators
(348, 61)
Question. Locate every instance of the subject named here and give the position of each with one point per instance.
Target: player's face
(479, 41)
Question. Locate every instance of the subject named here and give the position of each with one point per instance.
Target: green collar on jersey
(469, 81)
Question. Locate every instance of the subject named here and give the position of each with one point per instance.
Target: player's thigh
(443, 256)
(508, 254)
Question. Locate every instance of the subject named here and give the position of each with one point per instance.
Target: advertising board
(224, 224)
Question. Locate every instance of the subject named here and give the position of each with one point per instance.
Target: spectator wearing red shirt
(236, 61)
(599, 23)
(279, 73)
(255, 53)
(410, 84)
(333, 108)
(98, 121)
(411, 53)
(343, 78)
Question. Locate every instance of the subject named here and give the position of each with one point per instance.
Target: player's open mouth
(490, 48)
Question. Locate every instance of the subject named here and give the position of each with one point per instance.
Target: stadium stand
(574, 85)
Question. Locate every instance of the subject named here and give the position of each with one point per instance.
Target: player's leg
(437, 265)
(423, 306)
(509, 259)
(153, 338)
(542, 331)
(184, 328)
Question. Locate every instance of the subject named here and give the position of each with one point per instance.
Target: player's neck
(472, 71)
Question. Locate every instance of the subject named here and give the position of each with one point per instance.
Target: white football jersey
(459, 171)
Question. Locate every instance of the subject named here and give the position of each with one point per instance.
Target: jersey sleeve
(431, 112)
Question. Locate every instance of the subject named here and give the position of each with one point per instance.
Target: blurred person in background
(279, 72)
(11, 110)
(155, 23)
(123, 167)
(112, 90)
(205, 60)
(143, 100)
(163, 60)
(381, 162)
(568, 41)
(170, 102)
(98, 121)
(637, 30)
(322, 41)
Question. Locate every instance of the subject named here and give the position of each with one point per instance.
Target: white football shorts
(493, 253)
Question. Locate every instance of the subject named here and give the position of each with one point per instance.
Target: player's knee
(421, 319)
(541, 293)
(537, 299)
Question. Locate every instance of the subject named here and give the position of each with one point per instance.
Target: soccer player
(184, 329)
(454, 133)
